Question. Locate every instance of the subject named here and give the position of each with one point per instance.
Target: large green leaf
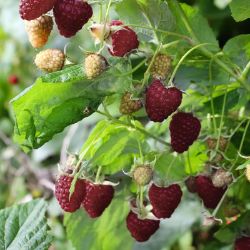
(60, 99)
(238, 50)
(198, 23)
(110, 141)
(154, 14)
(106, 232)
(24, 227)
(240, 9)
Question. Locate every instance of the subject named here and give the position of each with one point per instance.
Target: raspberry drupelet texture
(94, 65)
(71, 15)
(32, 9)
(62, 187)
(164, 199)
(98, 198)
(161, 102)
(209, 194)
(141, 229)
(123, 40)
(128, 105)
(39, 30)
(50, 60)
(184, 130)
(161, 66)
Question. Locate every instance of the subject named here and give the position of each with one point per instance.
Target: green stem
(141, 198)
(189, 163)
(134, 69)
(146, 74)
(105, 22)
(97, 178)
(140, 150)
(183, 58)
(245, 72)
(241, 144)
(161, 31)
(221, 120)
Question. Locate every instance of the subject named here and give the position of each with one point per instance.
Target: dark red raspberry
(124, 40)
(161, 102)
(184, 130)
(191, 184)
(13, 79)
(209, 194)
(62, 187)
(242, 243)
(32, 9)
(164, 199)
(71, 15)
(141, 229)
(97, 198)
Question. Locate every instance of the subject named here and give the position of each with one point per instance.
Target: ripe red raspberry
(123, 40)
(141, 229)
(32, 9)
(184, 130)
(62, 187)
(97, 199)
(242, 243)
(71, 15)
(164, 199)
(161, 102)
(13, 79)
(209, 194)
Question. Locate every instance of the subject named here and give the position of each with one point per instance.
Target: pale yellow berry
(221, 178)
(94, 65)
(143, 174)
(248, 172)
(50, 60)
(39, 30)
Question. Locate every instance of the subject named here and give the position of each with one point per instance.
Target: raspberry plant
(165, 95)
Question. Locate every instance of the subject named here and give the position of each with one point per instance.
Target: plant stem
(211, 96)
(221, 120)
(189, 163)
(97, 178)
(161, 31)
(146, 74)
(183, 58)
(241, 144)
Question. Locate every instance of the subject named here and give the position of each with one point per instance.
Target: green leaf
(240, 9)
(107, 232)
(60, 99)
(154, 14)
(110, 141)
(198, 23)
(238, 50)
(24, 227)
